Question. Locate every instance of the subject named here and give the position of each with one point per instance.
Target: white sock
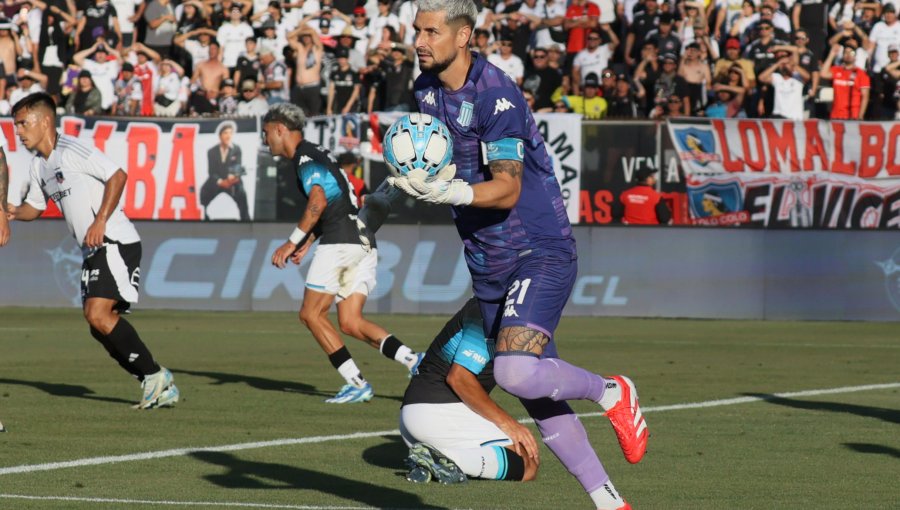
(476, 462)
(352, 374)
(607, 498)
(611, 395)
(406, 356)
(403, 355)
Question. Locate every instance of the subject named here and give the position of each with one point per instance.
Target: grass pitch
(253, 385)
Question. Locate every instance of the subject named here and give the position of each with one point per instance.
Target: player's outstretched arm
(24, 212)
(469, 390)
(315, 206)
(502, 191)
(112, 192)
(4, 186)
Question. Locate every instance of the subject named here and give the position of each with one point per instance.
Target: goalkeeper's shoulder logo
(503, 105)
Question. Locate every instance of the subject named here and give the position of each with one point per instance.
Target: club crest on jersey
(465, 114)
(59, 176)
(502, 105)
(429, 98)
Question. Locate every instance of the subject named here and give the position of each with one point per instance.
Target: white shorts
(448, 426)
(342, 270)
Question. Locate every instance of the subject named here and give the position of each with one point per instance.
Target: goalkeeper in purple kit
(519, 247)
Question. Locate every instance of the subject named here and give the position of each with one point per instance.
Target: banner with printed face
(206, 169)
(177, 170)
(784, 174)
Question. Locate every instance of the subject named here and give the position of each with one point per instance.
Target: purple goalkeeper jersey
(490, 108)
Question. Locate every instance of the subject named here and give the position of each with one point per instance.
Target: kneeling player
(449, 421)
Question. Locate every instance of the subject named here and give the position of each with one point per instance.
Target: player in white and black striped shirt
(87, 187)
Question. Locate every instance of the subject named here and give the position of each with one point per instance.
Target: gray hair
(457, 10)
(290, 115)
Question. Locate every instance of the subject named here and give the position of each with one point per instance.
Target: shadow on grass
(263, 383)
(874, 448)
(888, 415)
(388, 455)
(67, 390)
(244, 474)
(259, 383)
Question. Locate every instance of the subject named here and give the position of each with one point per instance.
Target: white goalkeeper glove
(443, 189)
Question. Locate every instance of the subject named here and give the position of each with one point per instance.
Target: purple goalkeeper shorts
(532, 294)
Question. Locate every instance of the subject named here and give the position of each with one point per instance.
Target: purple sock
(564, 434)
(532, 378)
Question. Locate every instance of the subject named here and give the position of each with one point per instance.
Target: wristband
(465, 197)
(297, 236)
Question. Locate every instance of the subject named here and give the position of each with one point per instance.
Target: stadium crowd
(601, 58)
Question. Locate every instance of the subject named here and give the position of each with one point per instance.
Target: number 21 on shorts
(515, 296)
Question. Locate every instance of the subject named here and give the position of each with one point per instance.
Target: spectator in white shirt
(553, 14)
(270, 38)
(29, 82)
(196, 44)
(385, 18)
(232, 37)
(252, 103)
(595, 57)
(104, 68)
(168, 100)
(508, 62)
(359, 27)
(787, 79)
(884, 34)
(407, 15)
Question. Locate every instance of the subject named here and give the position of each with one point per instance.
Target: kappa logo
(305, 159)
(469, 353)
(510, 311)
(429, 98)
(502, 105)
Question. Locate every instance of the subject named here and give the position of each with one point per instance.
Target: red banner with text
(778, 173)
(177, 170)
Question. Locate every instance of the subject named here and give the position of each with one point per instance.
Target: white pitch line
(94, 461)
(748, 400)
(181, 503)
(177, 452)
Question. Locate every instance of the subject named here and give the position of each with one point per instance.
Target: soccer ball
(418, 145)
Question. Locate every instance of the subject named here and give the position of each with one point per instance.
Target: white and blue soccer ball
(418, 145)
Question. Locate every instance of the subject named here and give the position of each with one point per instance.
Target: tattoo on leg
(519, 338)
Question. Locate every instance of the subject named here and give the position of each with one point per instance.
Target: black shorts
(112, 272)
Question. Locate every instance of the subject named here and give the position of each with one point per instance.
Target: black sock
(128, 344)
(339, 357)
(390, 346)
(515, 466)
(123, 362)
